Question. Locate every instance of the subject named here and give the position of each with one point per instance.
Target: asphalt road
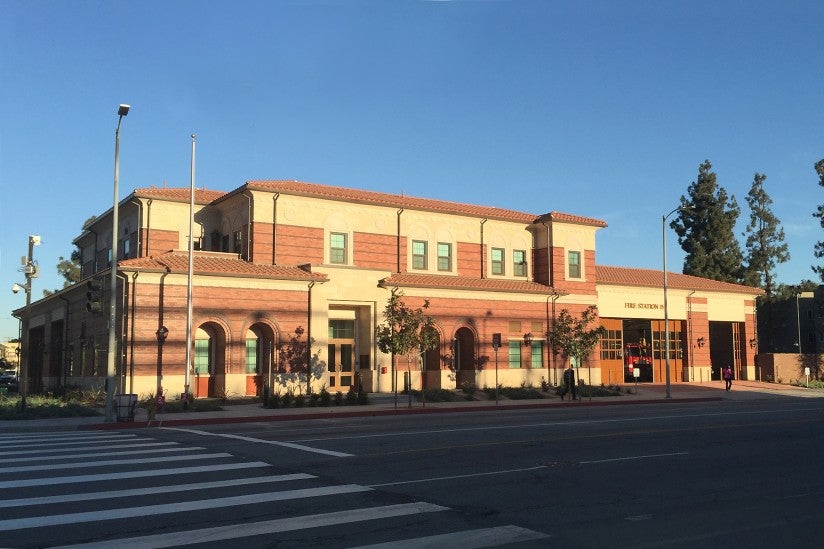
(709, 474)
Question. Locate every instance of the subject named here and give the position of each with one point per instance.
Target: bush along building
(279, 264)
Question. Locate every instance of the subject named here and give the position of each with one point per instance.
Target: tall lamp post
(666, 311)
(30, 271)
(122, 111)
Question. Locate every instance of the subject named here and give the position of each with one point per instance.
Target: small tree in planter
(405, 331)
(573, 336)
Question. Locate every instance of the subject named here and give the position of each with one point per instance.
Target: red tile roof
(629, 276)
(221, 264)
(300, 188)
(179, 194)
(411, 280)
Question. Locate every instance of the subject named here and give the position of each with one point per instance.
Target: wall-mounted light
(527, 339)
(701, 342)
(162, 333)
(753, 343)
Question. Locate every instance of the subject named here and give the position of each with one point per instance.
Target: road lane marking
(468, 539)
(120, 475)
(633, 457)
(55, 438)
(263, 441)
(234, 531)
(154, 490)
(435, 479)
(144, 450)
(134, 443)
(109, 463)
(164, 509)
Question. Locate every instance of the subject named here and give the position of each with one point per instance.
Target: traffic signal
(94, 295)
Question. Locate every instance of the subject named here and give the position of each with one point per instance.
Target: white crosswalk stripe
(122, 485)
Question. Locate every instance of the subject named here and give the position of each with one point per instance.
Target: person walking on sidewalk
(569, 383)
(727, 375)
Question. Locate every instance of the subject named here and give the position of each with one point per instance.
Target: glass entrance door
(341, 349)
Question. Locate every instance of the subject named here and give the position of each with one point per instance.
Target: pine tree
(819, 246)
(706, 230)
(765, 239)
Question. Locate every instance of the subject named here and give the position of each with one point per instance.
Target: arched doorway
(464, 352)
(259, 358)
(432, 365)
(209, 361)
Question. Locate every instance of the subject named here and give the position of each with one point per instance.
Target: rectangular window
(444, 256)
(497, 259)
(337, 248)
(519, 263)
(537, 354)
(418, 254)
(202, 356)
(341, 329)
(574, 260)
(611, 345)
(237, 242)
(251, 356)
(515, 354)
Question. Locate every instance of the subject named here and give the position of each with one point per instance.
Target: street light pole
(666, 311)
(122, 111)
(29, 271)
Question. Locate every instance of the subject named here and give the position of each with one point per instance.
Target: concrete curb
(365, 411)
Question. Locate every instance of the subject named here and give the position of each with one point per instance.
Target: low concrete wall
(788, 367)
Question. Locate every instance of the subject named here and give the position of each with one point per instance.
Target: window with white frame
(497, 260)
(519, 262)
(574, 264)
(419, 253)
(444, 256)
(337, 248)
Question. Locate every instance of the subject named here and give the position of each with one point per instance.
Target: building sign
(653, 306)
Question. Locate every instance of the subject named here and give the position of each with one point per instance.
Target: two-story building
(280, 263)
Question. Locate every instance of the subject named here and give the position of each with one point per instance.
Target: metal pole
(23, 381)
(496, 375)
(666, 311)
(798, 321)
(190, 272)
(112, 351)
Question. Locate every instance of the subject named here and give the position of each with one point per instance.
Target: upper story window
(497, 260)
(519, 262)
(237, 242)
(337, 248)
(419, 254)
(444, 256)
(574, 263)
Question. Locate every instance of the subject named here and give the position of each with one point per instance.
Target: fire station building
(279, 262)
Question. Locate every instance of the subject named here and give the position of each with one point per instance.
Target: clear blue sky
(598, 108)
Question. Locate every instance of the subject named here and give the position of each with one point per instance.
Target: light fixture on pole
(122, 111)
(666, 312)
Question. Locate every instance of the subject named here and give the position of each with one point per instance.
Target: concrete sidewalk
(383, 404)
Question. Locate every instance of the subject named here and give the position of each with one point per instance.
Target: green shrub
(325, 397)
